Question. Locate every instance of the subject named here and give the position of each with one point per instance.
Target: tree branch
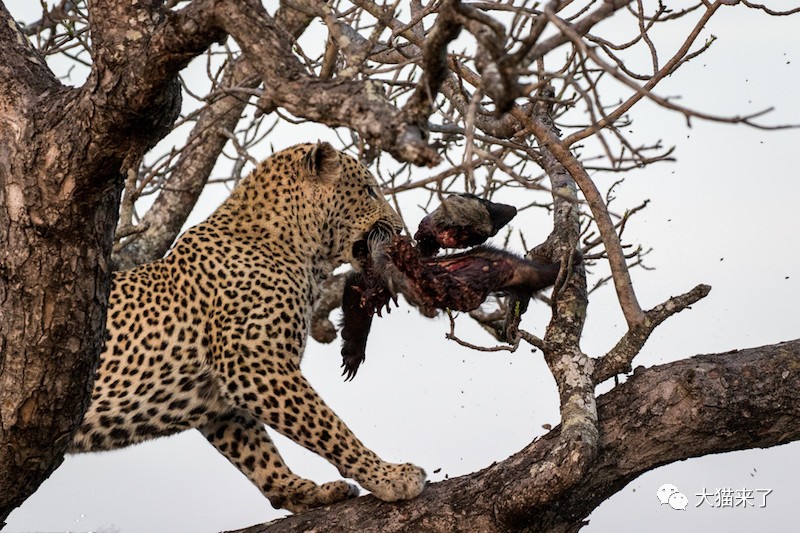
(618, 360)
(581, 27)
(132, 95)
(697, 406)
(23, 71)
(616, 257)
(339, 102)
(576, 448)
(434, 60)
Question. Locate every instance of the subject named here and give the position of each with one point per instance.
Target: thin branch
(434, 61)
(618, 360)
(622, 281)
(645, 91)
(769, 11)
(451, 335)
(351, 103)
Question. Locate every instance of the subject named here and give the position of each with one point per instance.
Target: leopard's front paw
(397, 482)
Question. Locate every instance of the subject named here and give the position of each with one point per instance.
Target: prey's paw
(308, 495)
(396, 482)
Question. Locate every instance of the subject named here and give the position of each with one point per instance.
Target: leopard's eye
(371, 191)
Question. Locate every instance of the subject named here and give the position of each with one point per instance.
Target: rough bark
(693, 407)
(53, 273)
(63, 155)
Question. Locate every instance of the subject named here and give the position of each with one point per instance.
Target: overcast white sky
(725, 214)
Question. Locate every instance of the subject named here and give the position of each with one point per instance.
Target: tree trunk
(64, 153)
(693, 407)
(54, 283)
(56, 234)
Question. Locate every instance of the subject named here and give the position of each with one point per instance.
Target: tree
(525, 108)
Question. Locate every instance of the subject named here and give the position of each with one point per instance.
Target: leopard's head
(354, 216)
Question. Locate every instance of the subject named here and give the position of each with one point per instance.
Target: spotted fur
(211, 336)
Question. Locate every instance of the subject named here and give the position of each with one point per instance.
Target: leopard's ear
(322, 162)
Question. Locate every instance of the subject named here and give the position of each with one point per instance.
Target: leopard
(211, 336)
